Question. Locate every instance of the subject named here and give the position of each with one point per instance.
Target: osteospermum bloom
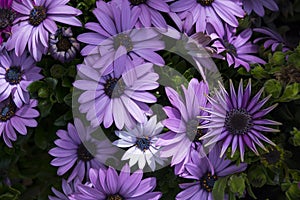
(182, 122)
(258, 6)
(141, 140)
(63, 46)
(148, 12)
(7, 16)
(68, 190)
(212, 12)
(76, 155)
(272, 39)
(37, 20)
(206, 171)
(118, 97)
(113, 36)
(16, 73)
(239, 50)
(237, 120)
(107, 184)
(14, 119)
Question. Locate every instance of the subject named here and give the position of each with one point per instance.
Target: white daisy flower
(142, 142)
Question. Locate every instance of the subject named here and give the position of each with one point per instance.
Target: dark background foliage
(25, 172)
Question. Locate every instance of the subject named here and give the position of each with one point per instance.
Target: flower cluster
(123, 59)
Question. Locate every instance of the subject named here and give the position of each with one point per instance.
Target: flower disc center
(123, 40)
(7, 16)
(114, 87)
(205, 2)
(207, 181)
(115, 197)
(37, 15)
(238, 121)
(63, 44)
(84, 154)
(143, 143)
(7, 110)
(137, 2)
(13, 75)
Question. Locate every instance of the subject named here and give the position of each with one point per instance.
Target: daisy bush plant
(149, 99)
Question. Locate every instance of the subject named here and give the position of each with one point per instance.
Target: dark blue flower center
(115, 197)
(123, 40)
(230, 48)
(205, 2)
(137, 2)
(207, 181)
(114, 87)
(238, 121)
(7, 17)
(7, 109)
(37, 15)
(63, 44)
(84, 154)
(13, 75)
(143, 143)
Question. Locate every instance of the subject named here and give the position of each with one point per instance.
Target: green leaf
(259, 72)
(57, 71)
(219, 188)
(52, 82)
(43, 93)
(290, 93)
(237, 184)
(257, 176)
(273, 87)
(278, 58)
(35, 86)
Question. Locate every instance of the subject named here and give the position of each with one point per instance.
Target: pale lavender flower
(68, 190)
(258, 6)
(182, 122)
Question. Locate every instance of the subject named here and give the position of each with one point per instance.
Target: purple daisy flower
(83, 154)
(258, 6)
(206, 171)
(272, 39)
(16, 73)
(182, 122)
(141, 140)
(118, 97)
(113, 36)
(37, 20)
(68, 190)
(148, 12)
(237, 120)
(63, 46)
(237, 48)
(7, 16)
(14, 119)
(107, 184)
(212, 12)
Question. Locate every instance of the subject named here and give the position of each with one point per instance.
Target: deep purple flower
(63, 46)
(83, 154)
(37, 20)
(108, 185)
(236, 119)
(7, 16)
(14, 119)
(258, 6)
(142, 142)
(148, 12)
(16, 73)
(113, 36)
(182, 122)
(118, 97)
(238, 49)
(206, 171)
(272, 39)
(212, 12)
(68, 190)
